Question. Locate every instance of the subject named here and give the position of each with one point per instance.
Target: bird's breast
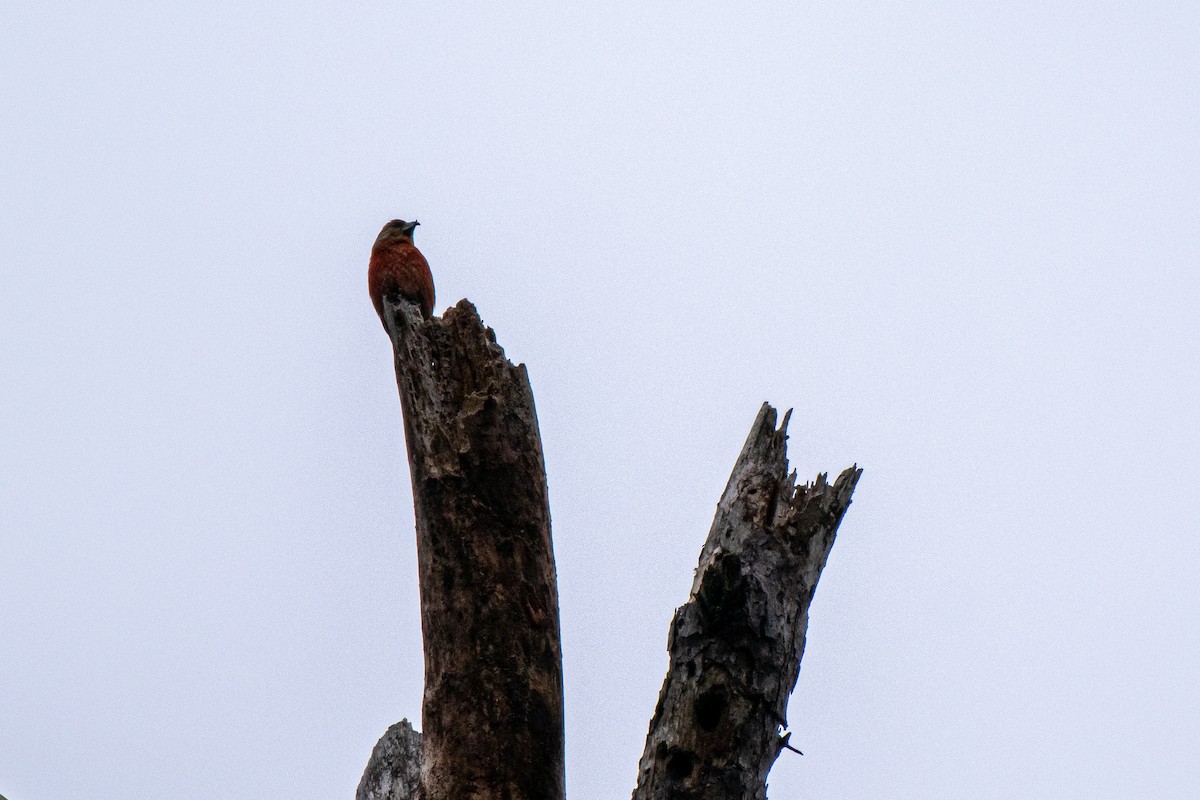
(398, 268)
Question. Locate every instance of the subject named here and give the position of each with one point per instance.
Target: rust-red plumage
(397, 268)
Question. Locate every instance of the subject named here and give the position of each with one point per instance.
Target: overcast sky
(962, 242)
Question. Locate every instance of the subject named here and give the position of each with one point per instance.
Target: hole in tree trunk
(710, 707)
(679, 765)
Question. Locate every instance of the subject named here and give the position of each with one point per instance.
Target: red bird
(398, 268)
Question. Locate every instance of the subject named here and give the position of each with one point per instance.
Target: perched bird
(398, 268)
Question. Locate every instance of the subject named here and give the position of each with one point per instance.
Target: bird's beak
(412, 226)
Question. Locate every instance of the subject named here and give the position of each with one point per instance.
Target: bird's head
(395, 230)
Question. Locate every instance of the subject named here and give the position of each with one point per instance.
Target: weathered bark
(492, 716)
(394, 770)
(735, 646)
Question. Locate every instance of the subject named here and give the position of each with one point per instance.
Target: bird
(397, 268)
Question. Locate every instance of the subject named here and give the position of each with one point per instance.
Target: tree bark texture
(735, 646)
(394, 770)
(492, 714)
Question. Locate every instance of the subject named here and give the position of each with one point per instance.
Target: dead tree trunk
(492, 712)
(394, 770)
(736, 645)
(492, 715)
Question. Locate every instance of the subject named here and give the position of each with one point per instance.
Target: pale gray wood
(735, 646)
(394, 769)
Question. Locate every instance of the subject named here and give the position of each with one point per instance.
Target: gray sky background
(961, 239)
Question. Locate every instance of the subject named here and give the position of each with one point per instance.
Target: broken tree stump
(492, 713)
(735, 646)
